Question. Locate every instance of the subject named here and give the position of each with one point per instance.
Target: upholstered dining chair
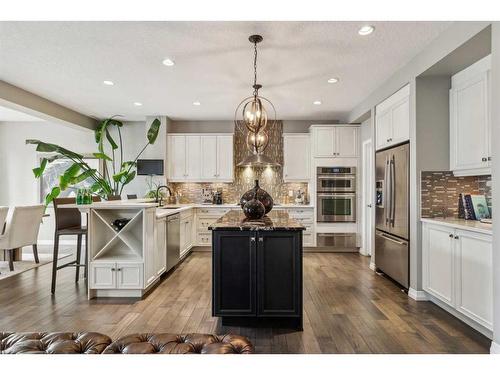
(21, 229)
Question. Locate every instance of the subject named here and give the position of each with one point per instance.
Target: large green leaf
(153, 131)
(111, 141)
(38, 171)
(54, 193)
(129, 177)
(83, 176)
(50, 147)
(102, 155)
(118, 177)
(66, 178)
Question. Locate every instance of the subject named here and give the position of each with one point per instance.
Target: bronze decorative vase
(259, 194)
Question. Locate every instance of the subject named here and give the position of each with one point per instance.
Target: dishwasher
(173, 240)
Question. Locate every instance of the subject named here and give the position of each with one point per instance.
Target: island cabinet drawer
(116, 275)
(257, 274)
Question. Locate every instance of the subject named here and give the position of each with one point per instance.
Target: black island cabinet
(257, 270)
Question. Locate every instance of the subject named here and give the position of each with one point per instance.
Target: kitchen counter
(471, 225)
(275, 220)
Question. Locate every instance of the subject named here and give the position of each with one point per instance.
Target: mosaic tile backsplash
(270, 179)
(440, 192)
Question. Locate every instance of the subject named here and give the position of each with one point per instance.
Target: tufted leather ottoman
(167, 343)
(97, 343)
(53, 343)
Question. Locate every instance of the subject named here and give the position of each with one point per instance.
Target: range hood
(258, 160)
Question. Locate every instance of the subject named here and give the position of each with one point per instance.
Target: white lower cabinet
(474, 276)
(186, 236)
(116, 275)
(457, 270)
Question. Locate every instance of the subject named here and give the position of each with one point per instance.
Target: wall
(440, 192)
(225, 126)
(271, 179)
(495, 125)
(19, 187)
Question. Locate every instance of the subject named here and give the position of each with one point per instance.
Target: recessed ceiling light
(333, 80)
(317, 102)
(137, 104)
(196, 102)
(168, 62)
(366, 30)
(108, 83)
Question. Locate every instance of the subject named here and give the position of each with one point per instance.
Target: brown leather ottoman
(146, 343)
(53, 343)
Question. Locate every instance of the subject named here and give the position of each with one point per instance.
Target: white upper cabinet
(392, 119)
(225, 166)
(470, 129)
(177, 153)
(334, 141)
(209, 159)
(296, 157)
(200, 157)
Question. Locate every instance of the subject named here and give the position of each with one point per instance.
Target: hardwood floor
(348, 309)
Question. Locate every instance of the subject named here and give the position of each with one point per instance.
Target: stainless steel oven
(336, 207)
(336, 194)
(336, 179)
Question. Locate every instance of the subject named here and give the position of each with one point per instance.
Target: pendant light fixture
(253, 114)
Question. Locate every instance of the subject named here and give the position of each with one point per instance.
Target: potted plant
(116, 172)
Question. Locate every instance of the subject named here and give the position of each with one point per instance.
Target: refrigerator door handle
(386, 197)
(393, 190)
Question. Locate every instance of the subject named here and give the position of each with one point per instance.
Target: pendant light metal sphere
(255, 115)
(257, 142)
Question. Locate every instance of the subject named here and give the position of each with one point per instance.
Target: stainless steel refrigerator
(392, 248)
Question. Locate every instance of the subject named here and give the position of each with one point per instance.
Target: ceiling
(10, 115)
(66, 62)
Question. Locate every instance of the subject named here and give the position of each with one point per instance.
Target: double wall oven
(336, 194)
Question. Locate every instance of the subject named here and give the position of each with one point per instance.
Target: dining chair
(68, 222)
(131, 196)
(21, 229)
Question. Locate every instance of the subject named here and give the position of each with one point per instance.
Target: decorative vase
(254, 209)
(259, 194)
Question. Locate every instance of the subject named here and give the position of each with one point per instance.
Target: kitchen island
(257, 269)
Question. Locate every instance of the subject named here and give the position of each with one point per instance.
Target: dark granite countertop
(274, 220)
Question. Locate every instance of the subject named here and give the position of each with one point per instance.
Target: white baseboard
(372, 266)
(417, 295)
(495, 348)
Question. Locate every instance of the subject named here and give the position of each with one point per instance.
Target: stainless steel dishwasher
(173, 240)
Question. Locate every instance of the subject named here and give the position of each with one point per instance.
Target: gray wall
(227, 126)
(495, 125)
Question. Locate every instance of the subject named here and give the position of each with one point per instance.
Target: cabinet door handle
(261, 239)
(456, 237)
(118, 269)
(252, 239)
(451, 235)
(113, 269)
(484, 159)
(489, 158)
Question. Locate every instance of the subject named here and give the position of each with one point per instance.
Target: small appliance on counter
(207, 196)
(217, 197)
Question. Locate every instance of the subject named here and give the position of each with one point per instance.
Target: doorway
(367, 199)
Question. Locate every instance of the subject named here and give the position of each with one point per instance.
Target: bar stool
(68, 222)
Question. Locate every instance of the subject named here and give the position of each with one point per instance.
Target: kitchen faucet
(157, 200)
